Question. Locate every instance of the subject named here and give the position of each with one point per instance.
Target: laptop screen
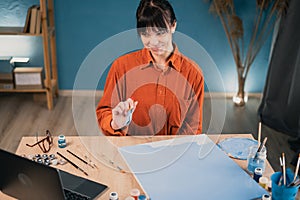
(25, 179)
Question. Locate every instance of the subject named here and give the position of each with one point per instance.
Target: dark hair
(154, 13)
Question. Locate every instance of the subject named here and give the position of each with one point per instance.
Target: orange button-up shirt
(169, 101)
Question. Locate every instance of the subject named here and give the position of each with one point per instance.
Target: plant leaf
(282, 7)
(264, 4)
(236, 27)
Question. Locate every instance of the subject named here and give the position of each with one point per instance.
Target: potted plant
(267, 13)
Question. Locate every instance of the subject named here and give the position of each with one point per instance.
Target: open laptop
(25, 179)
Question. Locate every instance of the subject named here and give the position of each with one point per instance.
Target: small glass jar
(256, 159)
(113, 196)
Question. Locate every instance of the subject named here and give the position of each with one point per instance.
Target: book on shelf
(27, 20)
(33, 20)
(38, 21)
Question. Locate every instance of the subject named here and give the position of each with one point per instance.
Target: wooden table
(108, 172)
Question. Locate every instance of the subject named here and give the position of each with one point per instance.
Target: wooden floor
(22, 116)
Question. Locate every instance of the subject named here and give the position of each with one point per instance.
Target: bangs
(152, 18)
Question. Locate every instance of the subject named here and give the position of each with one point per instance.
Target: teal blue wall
(82, 24)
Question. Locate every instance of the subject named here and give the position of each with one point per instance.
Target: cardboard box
(7, 85)
(28, 77)
(6, 76)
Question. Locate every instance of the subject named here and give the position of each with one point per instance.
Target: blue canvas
(191, 167)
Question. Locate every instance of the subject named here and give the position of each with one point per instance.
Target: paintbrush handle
(73, 164)
(262, 145)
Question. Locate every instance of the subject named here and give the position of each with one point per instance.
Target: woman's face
(158, 41)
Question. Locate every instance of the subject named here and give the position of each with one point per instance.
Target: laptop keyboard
(69, 195)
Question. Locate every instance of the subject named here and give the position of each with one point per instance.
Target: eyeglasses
(45, 144)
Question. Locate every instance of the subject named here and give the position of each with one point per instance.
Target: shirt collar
(173, 60)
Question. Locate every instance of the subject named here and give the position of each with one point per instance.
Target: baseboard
(99, 93)
(229, 95)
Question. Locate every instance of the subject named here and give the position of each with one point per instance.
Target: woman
(155, 90)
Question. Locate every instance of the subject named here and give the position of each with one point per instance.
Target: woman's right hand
(122, 114)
